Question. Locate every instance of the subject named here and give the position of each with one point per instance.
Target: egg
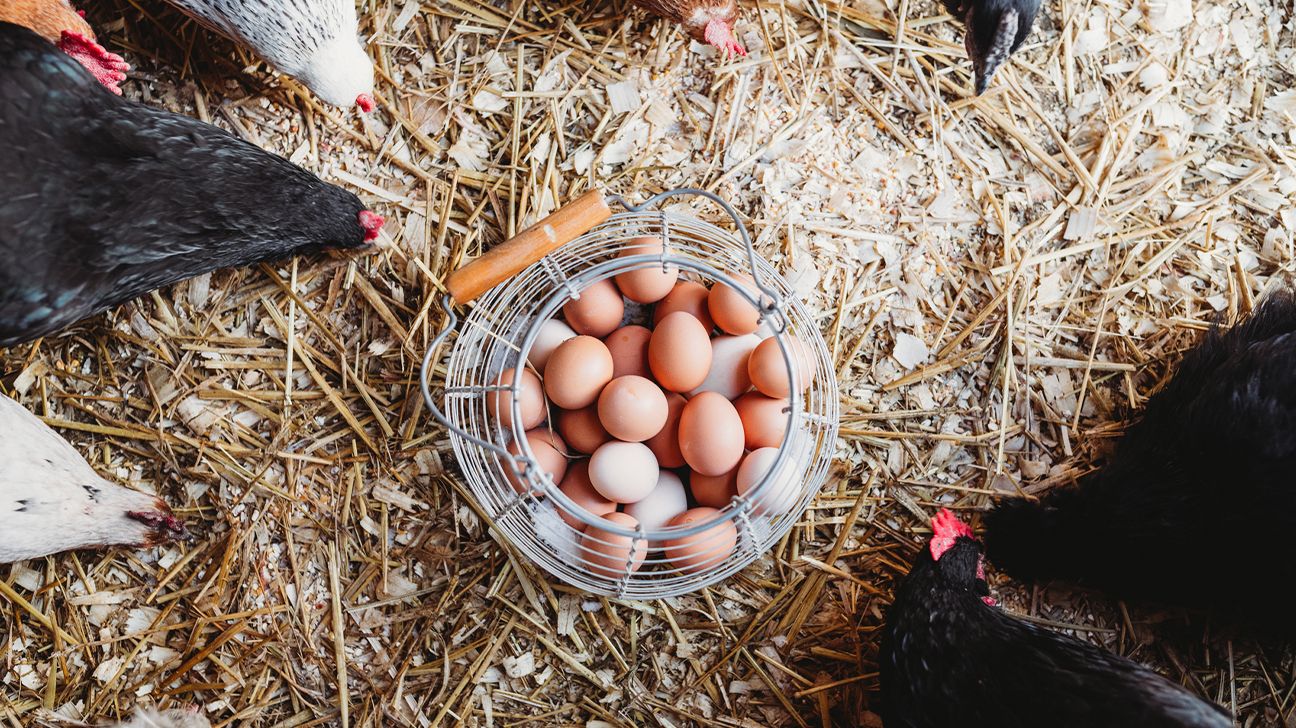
(632, 408)
(711, 434)
(610, 554)
(499, 403)
(689, 297)
(651, 284)
(625, 472)
(714, 491)
(705, 549)
(576, 485)
(667, 500)
(779, 495)
(598, 311)
(764, 419)
(577, 371)
(728, 374)
(629, 348)
(582, 430)
(769, 372)
(548, 449)
(730, 311)
(665, 444)
(552, 333)
(679, 352)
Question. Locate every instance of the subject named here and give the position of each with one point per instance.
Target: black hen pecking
(949, 657)
(1197, 504)
(994, 30)
(103, 199)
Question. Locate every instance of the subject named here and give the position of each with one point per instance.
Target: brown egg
(679, 352)
(768, 371)
(629, 348)
(689, 297)
(582, 429)
(706, 548)
(598, 311)
(499, 403)
(714, 491)
(711, 434)
(610, 554)
(549, 451)
(731, 312)
(764, 420)
(577, 371)
(646, 285)
(577, 486)
(665, 444)
(632, 408)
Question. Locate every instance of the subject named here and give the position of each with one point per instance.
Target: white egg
(624, 472)
(728, 375)
(778, 496)
(667, 500)
(552, 333)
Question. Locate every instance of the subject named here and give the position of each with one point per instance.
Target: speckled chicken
(1197, 504)
(51, 500)
(706, 21)
(59, 23)
(950, 657)
(993, 31)
(103, 199)
(315, 41)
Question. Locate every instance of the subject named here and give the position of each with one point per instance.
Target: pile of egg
(676, 420)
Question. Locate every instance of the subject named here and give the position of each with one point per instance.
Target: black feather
(995, 29)
(1197, 504)
(948, 660)
(103, 199)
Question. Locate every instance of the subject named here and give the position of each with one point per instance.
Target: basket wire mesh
(541, 521)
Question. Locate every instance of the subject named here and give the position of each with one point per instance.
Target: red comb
(108, 67)
(720, 34)
(372, 223)
(946, 528)
(365, 102)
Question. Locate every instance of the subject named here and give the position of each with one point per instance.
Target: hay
(1001, 280)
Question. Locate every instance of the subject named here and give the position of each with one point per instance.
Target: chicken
(1197, 504)
(105, 199)
(706, 21)
(60, 24)
(51, 500)
(993, 31)
(315, 41)
(949, 657)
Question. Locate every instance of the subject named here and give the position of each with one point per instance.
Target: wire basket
(525, 281)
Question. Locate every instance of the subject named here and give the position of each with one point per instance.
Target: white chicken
(51, 500)
(315, 41)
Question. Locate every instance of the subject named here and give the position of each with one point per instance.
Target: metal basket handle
(513, 255)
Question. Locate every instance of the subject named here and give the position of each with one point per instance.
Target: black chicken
(1197, 505)
(103, 199)
(995, 29)
(950, 658)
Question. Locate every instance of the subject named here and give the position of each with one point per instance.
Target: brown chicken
(64, 26)
(708, 21)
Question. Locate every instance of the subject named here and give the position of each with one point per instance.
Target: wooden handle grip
(513, 255)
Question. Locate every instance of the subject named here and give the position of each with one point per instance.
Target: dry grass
(1000, 279)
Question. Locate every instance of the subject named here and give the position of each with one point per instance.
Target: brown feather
(47, 17)
(694, 15)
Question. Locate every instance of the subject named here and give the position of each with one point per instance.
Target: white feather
(51, 500)
(313, 40)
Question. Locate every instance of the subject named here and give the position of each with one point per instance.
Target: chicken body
(103, 199)
(950, 658)
(1197, 505)
(314, 41)
(993, 31)
(59, 23)
(706, 21)
(51, 500)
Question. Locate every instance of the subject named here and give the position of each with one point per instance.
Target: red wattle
(372, 223)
